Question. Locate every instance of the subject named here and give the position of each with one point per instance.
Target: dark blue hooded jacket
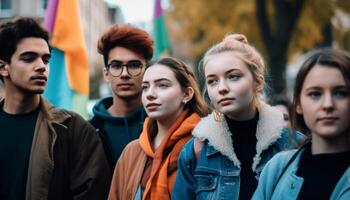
(116, 132)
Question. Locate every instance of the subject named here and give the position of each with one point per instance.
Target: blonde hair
(247, 53)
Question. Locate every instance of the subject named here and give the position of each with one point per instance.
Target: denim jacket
(279, 180)
(216, 173)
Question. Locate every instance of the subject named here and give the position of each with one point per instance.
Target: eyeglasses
(133, 67)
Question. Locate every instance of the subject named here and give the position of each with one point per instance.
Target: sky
(135, 10)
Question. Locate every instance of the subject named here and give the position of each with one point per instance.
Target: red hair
(127, 36)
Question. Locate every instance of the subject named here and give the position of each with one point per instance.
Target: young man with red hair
(119, 119)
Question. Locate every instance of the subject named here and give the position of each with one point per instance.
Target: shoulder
(132, 158)
(283, 156)
(133, 146)
(96, 122)
(188, 153)
(58, 115)
(290, 139)
(270, 121)
(279, 161)
(210, 129)
(64, 121)
(131, 151)
(78, 121)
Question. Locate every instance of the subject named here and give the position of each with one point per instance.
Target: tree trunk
(276, 78)
(277, 42)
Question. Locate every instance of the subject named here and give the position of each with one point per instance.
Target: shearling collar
(269, 128)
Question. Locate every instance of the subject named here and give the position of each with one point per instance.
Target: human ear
(3, 68)
(299, 109)
(188, 94)
(259, 83)
(105, 74)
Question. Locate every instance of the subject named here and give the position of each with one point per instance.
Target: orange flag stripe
(68, 37)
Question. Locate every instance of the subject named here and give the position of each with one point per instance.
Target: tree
(278, 28)
(276, 39)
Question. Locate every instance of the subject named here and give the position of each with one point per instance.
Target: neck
(321, 145)
(18, 104)
(243, 115)
(122, 107)
(164, 126)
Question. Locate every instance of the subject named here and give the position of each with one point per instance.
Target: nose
(41, 66)
(222, 87)
(328, 102)
(125, 73)
(150, 94)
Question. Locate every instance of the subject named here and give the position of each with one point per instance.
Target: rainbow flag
(160, 35)
(68, 85)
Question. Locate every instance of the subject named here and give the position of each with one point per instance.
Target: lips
(327, 119)
(39, 78)
(225, 101)
(124, 84)
(152, 106)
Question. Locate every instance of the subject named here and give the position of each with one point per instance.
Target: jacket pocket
(206, 185)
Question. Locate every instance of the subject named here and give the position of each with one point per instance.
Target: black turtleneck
(321, 172)
(244, 144)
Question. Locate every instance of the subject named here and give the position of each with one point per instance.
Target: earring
(217, 116)
(184, 101)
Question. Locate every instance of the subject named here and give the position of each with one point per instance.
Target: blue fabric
(58, 91)
(214, 176)
(280, 182)
(138, 195)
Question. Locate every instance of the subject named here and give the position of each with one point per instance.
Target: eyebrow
(157, 80)
(126, 61)
(320, 88)
(227, 72)
(32, 53)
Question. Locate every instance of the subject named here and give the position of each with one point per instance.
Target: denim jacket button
(227, 164)
(292, 186)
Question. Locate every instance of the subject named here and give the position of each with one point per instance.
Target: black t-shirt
(244, 144)
(16, 137)
(321, 173)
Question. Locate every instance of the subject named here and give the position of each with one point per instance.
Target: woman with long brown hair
(321, 109)
(147, 167)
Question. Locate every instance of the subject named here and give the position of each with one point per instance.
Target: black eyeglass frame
(126, 65)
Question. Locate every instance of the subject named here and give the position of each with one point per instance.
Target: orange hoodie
(163, 170)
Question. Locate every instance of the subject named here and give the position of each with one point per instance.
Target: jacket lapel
(41, 162)
(217, 133)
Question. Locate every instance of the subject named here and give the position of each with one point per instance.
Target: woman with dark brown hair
(321, 108)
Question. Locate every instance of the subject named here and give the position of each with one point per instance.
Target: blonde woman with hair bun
(233, 144)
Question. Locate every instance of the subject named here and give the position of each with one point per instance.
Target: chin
(127, 96)
(157, 116)
(329, 134)
(38, 91)
(228, 110)
(153, 116)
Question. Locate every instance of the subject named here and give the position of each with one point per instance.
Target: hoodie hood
(116, 132)
(100, 110)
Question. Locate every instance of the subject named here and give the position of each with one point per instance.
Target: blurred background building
(283, 31)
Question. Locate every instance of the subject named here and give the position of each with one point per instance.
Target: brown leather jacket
(67, 159)
(132, 157)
